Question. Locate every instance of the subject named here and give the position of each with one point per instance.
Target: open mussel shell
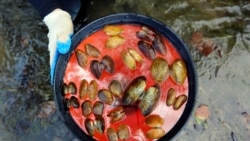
(135, 55)
(147, 50)
(134, 90)
(155, 133)
(83, 90)
(96, 68)
(128, 60)
(112, 135)
(154, 121)
(143, 35)
(98, 108)
(92, 51)
(105, 96)
(90, 127)
(159, 70)
(108, 64)
(171, 97)
(116, 114)
(123, 132)
(180, 100)
(178, 72)
(149, 100)
(92, 90)
(72, 102)
(159, 45)
(99, 124)
(82, 58)
(115, 88)
(87, 108)
(114, 42)
(69, 89)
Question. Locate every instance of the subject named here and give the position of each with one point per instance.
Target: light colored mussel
(143, 35)
(114, 42)
(159, 45)
(134, 90)
(105, 96)
(69, 89)
(147, 30)
(96, 68)
(159, 70)
(178, 72)
(99, 124)
(123, 132)
(92, 90)
(98, 108)
(180, 100)
(128, 60)
(112, 135)
(116, 114)
(108, 64)
(135, 55)
(171, 97)
(155, 133)
(149, 100)
(115, 88)
(83, 90)
(82, 58)
(147, 50)
(154, 121)
(112, 30)
(92, 51)
(87, 108)
(89, 126)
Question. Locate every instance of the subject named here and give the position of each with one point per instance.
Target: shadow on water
(217, 34)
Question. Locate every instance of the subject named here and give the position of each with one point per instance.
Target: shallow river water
(217, 34)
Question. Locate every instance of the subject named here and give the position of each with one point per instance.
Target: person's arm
(60, 27)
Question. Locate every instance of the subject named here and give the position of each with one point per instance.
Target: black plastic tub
(117, 19)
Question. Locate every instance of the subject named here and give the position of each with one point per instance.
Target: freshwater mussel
(87, 108)
(112, 30)
(116, 88)
(155, 133)
(98, 108)
(178, 71)
(92, 90)
(116, 114)
(108, 64)
(92, 51)
(105, 96)
(149, 100)
(69, 89)
(171, 97)
(114, 42)
(83, 90)
(112, 134)
(159, 70)
(99, 124)
(134, 90)
(82, 58)
(130, 57)
(180, 100)
(123, 132)
(147, 49)
(96, 68)
(90, 127)
(159, 45)
(154, 121)
(72, 102)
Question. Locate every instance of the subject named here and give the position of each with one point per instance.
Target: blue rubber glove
(60, 27)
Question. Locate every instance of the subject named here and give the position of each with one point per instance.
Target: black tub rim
(123, 18)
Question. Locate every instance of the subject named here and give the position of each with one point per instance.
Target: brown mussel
(114, 42)
(171, 97)
(149, 100)
(159, 70)
(98, 108)
(108, 64)
(82, 58)
(123, 132)
(89, 126)
(159, 45)
(180, 100)
(86, 108)
(115, 88)
(92, 51)
(105, 96)
(134, 90)
(116, 114)
(92, 90)
(99, 124)
(147, 50)
(178, 72)
(112, 135)
(83, 90)
(155, 133)
(154, 121)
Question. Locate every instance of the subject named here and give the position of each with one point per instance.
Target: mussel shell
(105, 96)
(99, 124)
(143, 35)
(178, 72)
(90, 127)
(159, 70)
(112, 30)
(72, 88)
(116, 114)
(87, 108)
(74, 102)
(128, 60)
(147, 50)
(148, 30)
(83, 90)
(96, 68)
(82, 58)
(159, 45)
(98, 108)
(155, 133)
(135, 55)
(114, 42)
(115, 88)
(112, 135)
(171, 97)
(92, 90)
(65, 89)
(123, 132)
(134, 90)
(92, 51)
(149, 100)
(154, 121)
(108, 64)
(180, 100)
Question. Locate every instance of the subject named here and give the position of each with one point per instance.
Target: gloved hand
(60, 28)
